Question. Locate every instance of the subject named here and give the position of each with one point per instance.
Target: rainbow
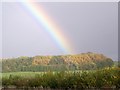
(42, 17)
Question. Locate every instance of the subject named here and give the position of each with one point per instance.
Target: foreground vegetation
(108, 77)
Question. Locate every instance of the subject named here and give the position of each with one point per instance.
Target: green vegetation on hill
(84, 61)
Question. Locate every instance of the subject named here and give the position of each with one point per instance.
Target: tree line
(84, 61)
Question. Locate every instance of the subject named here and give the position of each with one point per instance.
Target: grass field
(22, 74)
(32, 74)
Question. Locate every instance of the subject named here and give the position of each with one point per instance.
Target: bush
(108, 77)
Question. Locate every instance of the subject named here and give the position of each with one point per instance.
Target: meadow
(102, 78)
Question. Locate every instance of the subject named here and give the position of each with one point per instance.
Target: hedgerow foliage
(108, 77)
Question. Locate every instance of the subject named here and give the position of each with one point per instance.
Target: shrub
(108, 77)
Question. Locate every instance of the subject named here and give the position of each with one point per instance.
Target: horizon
(58, 55)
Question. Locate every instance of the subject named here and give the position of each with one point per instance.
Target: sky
(87, 27)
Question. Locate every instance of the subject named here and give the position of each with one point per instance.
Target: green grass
(33, 74)
(22, 74)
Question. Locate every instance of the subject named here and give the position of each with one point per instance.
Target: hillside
(84, 61)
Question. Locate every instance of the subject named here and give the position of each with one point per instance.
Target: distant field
(33, 74)
(23, 74)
